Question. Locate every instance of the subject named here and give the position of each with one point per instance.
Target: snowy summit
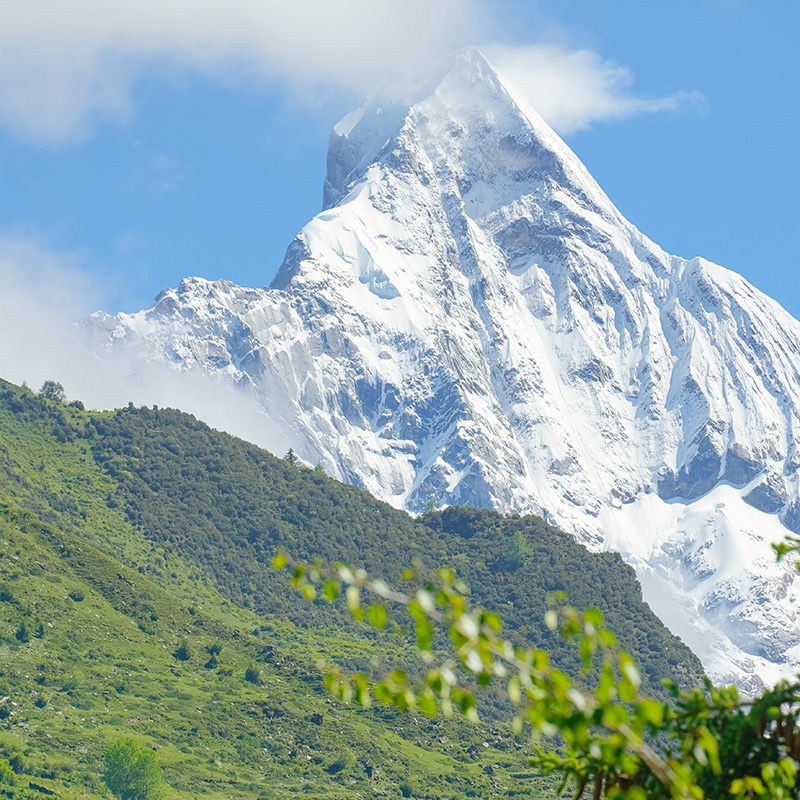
(471, 320)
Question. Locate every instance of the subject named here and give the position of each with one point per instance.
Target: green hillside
(166, 529)
(105, 652)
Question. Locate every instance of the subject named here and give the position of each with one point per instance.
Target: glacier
(471, 320)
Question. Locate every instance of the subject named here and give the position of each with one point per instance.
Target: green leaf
(382, 692)
(376, 616)
(651, 712)
(353, 598)
(492, 620)
(424, 635)
(614, 717)
(540, 659)
(279, 562)
(330, 590)
(427, 703)
(309, 592)
(627, 691)
(709, 743)
(403, 700)
(587, 651)
(416, 611)
(608, 638)
(435, 681)
(594, 617)
(466, 703)
(399, 677)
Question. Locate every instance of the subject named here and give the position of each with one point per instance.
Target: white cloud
(64, 63)
(573, 88)
(43, 294)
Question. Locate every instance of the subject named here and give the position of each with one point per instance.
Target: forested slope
(188, 519)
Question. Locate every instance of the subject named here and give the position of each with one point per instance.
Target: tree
(707, 743)
(291, 458)
(23, 634)
(183, 653)
(517, 550)
(7, 775)
(132, 772)
(52, 390)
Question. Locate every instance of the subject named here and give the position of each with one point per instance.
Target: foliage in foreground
(705, 744)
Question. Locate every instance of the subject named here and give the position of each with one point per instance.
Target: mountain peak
(462, 79)
(470, 65)
(463, 111)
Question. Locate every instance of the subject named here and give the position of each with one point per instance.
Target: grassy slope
(103, 664)
(196, 515)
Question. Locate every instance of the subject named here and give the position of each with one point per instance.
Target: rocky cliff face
(470, 320)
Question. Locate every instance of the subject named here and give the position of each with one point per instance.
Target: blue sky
(144, 142)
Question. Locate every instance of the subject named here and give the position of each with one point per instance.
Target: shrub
(252, 674)
(18, 763)
(7, 776)
(23, 634)
(132, 772)
(182, 653)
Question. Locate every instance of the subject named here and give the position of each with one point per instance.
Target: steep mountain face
(470, 320)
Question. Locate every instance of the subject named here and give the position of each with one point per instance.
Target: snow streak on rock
(470, 320)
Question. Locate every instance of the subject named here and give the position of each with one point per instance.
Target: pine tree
(23, 634)
(291, 458)
(182, 653)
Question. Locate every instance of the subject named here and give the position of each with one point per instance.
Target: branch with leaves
(790, 544)
(608, 729)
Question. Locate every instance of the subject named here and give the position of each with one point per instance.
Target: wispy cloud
(64, 64)
(43, 294)
(572, 89)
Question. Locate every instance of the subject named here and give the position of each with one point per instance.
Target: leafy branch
(607, 730)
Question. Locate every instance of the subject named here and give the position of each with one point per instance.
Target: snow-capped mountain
(471, 320)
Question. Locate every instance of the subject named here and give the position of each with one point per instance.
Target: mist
(45, 294)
